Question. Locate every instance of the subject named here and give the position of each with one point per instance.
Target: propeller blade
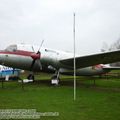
(40, 46)
(32, 65)
(40, 65)
(33, 49)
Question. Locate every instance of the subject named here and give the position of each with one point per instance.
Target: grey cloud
(30, 21)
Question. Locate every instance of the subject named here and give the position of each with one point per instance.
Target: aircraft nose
(1, 59)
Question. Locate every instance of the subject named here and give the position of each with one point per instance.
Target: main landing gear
(55, 80)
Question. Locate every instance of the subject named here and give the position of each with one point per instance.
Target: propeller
(36, 57)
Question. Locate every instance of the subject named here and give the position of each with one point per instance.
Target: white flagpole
(74, 57)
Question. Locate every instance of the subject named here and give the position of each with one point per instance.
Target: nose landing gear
(31, 77)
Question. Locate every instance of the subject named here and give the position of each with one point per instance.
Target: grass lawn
(100, 102)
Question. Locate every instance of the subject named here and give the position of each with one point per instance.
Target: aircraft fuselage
(22, 57)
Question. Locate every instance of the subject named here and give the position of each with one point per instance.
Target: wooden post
(22, 85)
(94, 82)
(2, 83)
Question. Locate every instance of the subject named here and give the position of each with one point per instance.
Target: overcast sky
(31, 21)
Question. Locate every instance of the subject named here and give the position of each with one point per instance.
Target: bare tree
(115, 46)
(104, 47)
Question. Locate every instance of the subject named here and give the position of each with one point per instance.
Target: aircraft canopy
(11, 48)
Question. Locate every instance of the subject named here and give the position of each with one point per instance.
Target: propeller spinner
(36, 57)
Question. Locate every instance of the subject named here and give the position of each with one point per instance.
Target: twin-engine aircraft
(33, 58)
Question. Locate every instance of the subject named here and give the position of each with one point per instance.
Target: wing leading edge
(90, 60)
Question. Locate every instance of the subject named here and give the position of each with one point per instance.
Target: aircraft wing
(111, 68)
(90, 60)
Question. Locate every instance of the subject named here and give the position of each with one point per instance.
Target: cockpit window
(11, 48)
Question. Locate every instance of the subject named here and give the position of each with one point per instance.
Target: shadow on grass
(93, 83)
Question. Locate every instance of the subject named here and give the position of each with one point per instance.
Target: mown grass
(94, 102)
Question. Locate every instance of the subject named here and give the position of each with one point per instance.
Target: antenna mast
(74, 57)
